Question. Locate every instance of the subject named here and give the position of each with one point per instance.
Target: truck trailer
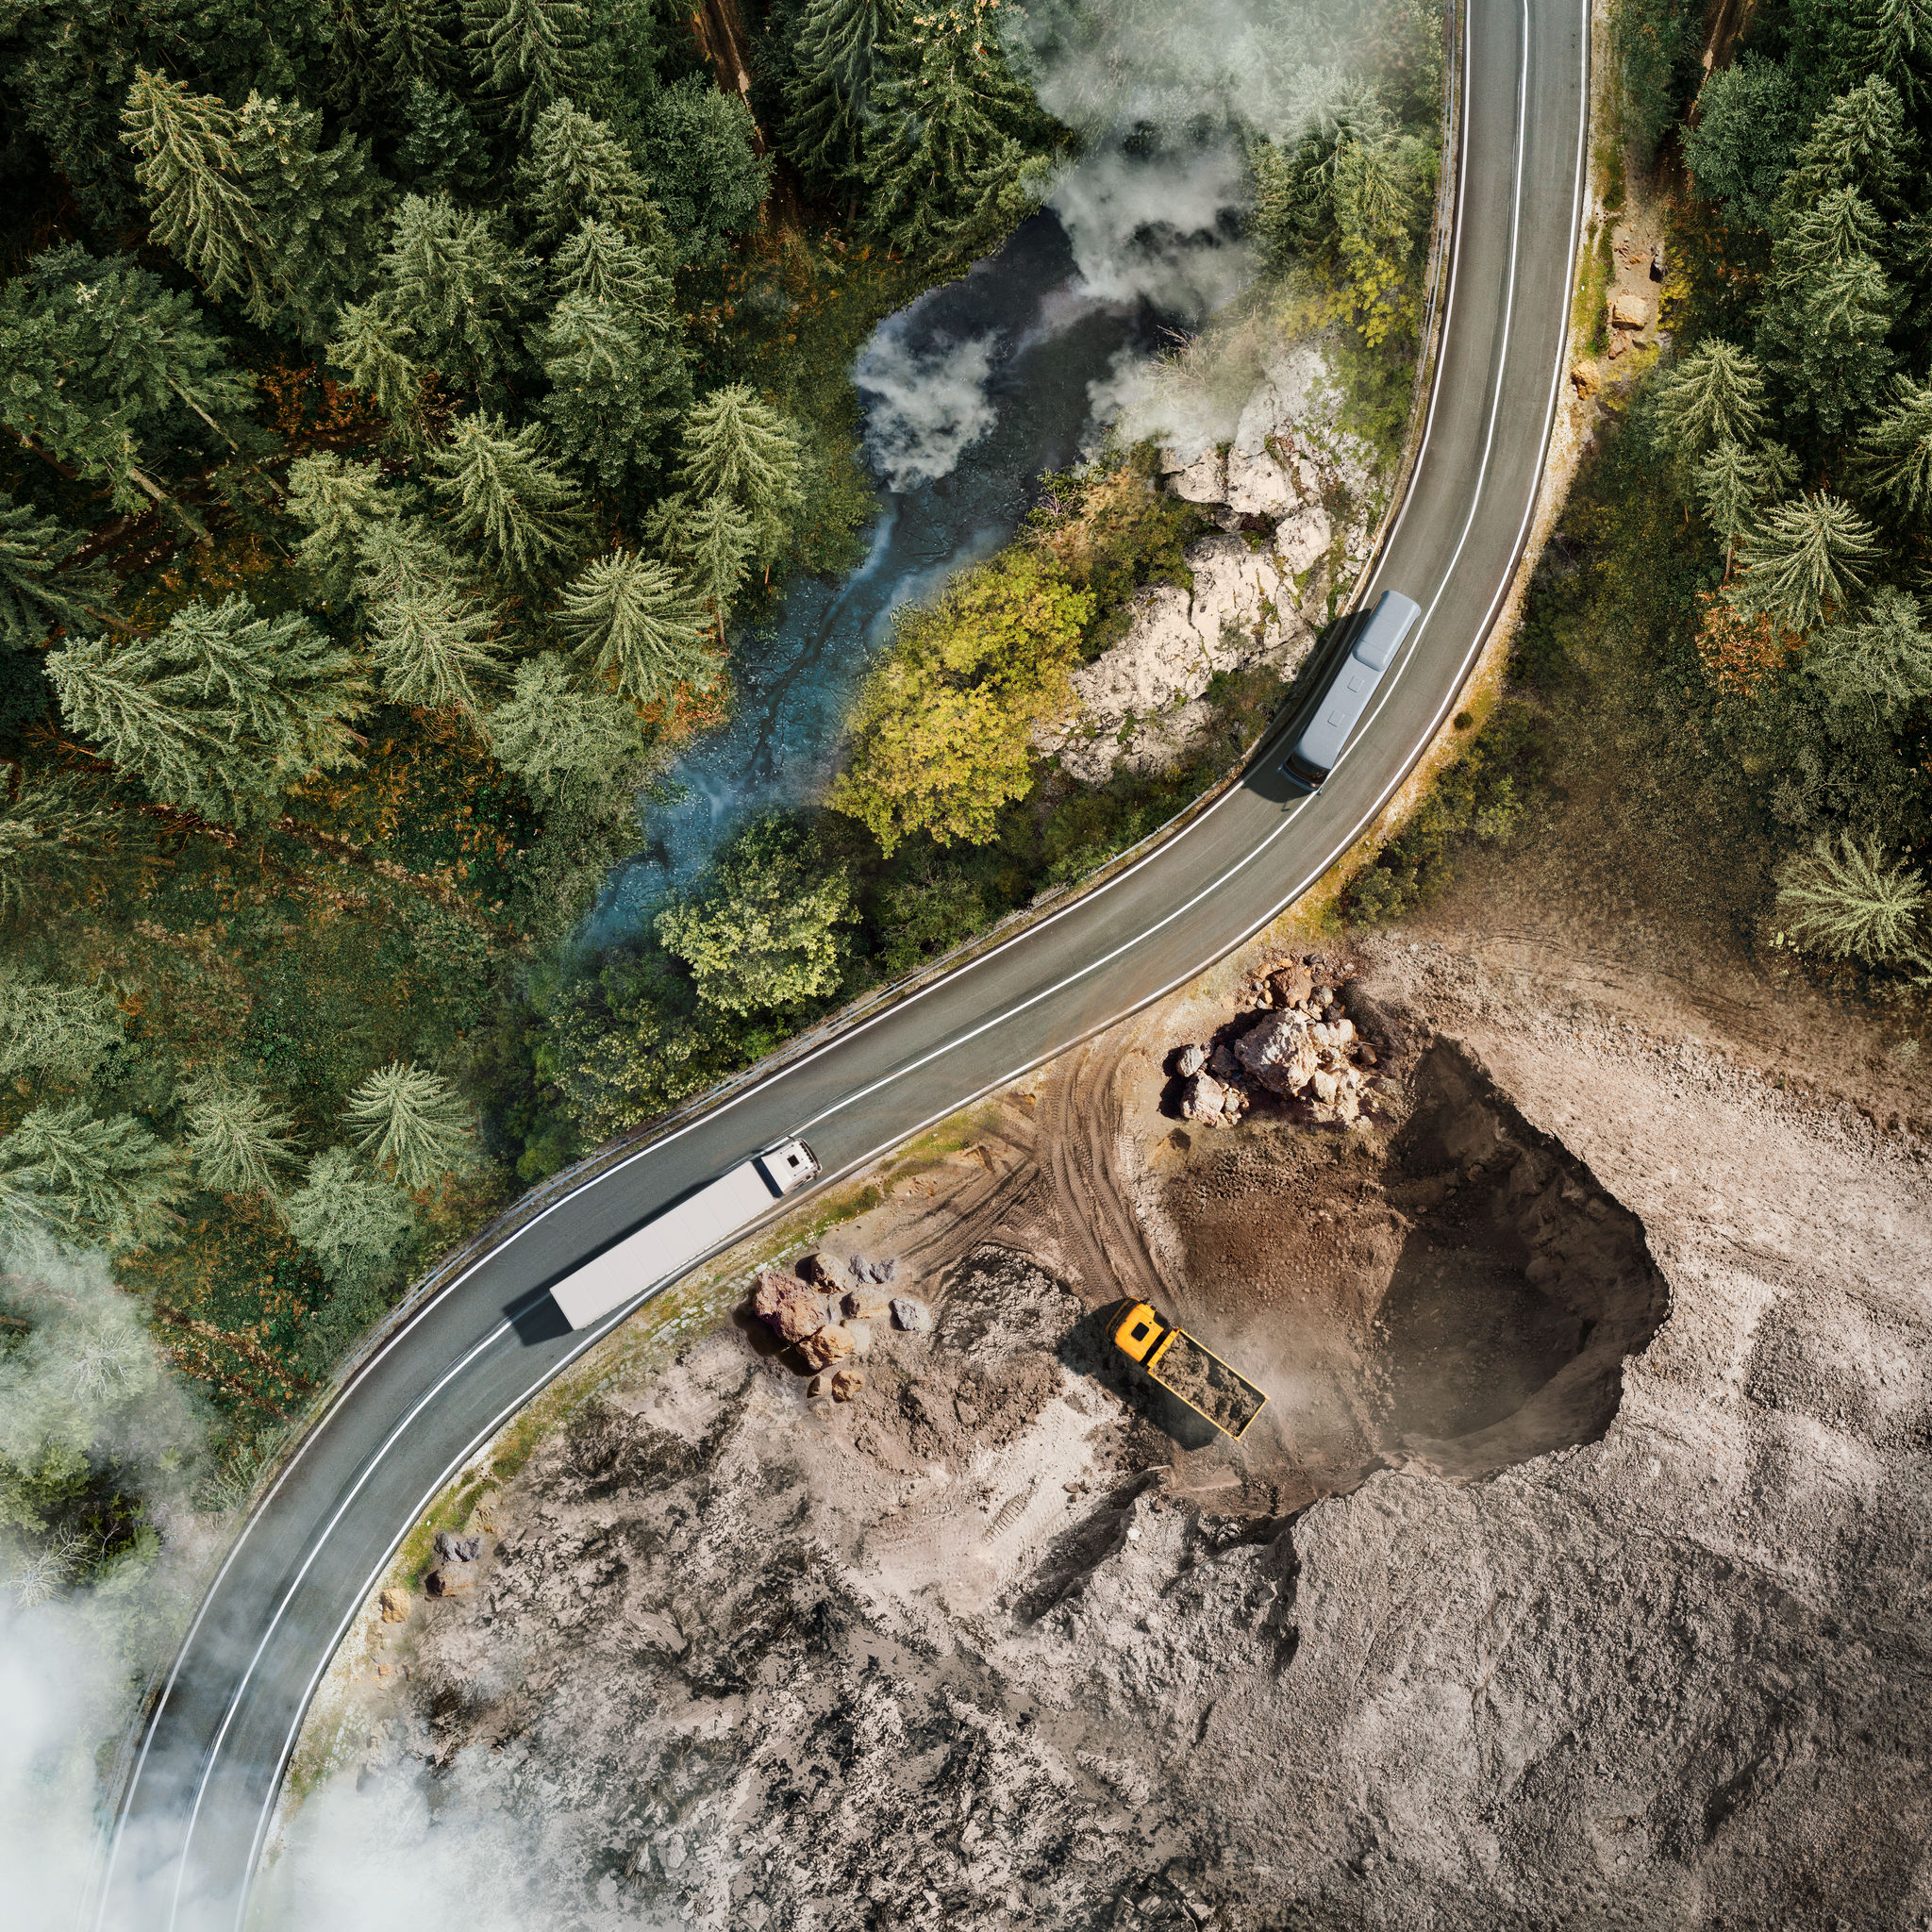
(668, 1244)
(1184, 1368)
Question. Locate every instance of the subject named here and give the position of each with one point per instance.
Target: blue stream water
(978, 388)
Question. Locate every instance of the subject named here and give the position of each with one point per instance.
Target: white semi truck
(668, 1244)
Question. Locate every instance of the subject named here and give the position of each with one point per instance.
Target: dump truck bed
(1206, 1383)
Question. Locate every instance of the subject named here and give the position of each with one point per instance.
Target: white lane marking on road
(591, 1337)
(389, 1441)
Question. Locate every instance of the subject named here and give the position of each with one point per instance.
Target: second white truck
(668, 1244)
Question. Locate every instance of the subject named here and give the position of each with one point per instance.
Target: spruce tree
(456, 287)
(236, 1137)
(440, 152)
(337, 501)
(1804, 560)
(354, 1226)
(89, 1181)
(371, 348)
(505, 495)
(51, 832)
(47, 1030)
(1734, 479)
(104, 369)
(578, 169)
(416, 41)
(33, 598)
(828, 98)
(1897, 446)
(1847, 899)
(1830, 309)
(526, 54)
(190, 170)
(1896, 41)
(717, 541)
(739, 447)
(604, 264)
(558, 736)
(946, 168)
(220, 712)
(616, 391)
(430, 640)
(409, 1122)
(638, 625)
(1860, 142)
(695, 146)
(1882, 659)
(1714, 395)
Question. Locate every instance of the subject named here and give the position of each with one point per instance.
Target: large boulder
(1205, 1099)
(790, 1308)
(1279, 1052)
(1258, 485)
(1205, 480)
(830, 1345)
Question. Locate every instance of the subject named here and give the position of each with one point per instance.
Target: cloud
(926, 404)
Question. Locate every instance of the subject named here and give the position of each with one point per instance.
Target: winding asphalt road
(197, 1808)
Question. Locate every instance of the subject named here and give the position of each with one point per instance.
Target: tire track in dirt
(1082, 1122)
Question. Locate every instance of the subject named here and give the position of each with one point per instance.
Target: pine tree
(411, 1124)
(220, 712)
(1714, 395)
(737, 447)
(1734, 479)
(86, 1180)
(1897, 447)
(603, 264)
(1830, 309)
(1860, 142)
(456, 287)
(1848, 900)
(50, 833)
(578, 169)
(506, 494)
(696, 148)
(190, 170)
(354, 1227)
(371, 348)
(828, 98)
(615, 392)
(559, 737)
(1804, 559)
(440, 152)
(59, 1032)
(415, 41)
(104, 369)
(638, 625)
(431, 639)
(526, 54)
(1882, 659)
(946, 168)
(33, 599)
(338, 501)
(236, 1137)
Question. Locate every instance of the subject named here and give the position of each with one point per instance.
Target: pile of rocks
(827, 1325)
(1300, 1045)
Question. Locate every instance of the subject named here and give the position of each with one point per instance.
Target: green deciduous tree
(561, 737)
(761, 932)
(409, 1122)
(942, 727)
(236, 1137)
(946, 168)
(739, 447)
(828, 95)
(637, 624)
(106, 370)
(220, 712)
(526, 54)
(354, 1226)
(58, 1031)
(694, 144)
(505, 494)
(33, 598)
(1804, 559)
(1845, 898)
(1897, 446)
(578, 170)
(81, 1180)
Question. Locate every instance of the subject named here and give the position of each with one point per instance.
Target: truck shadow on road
(1088, 1350)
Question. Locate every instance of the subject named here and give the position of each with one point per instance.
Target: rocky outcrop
(1295, 497)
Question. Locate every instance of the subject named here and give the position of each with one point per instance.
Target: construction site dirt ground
(1574, 1574)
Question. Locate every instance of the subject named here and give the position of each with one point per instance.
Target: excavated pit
(1458, 1296)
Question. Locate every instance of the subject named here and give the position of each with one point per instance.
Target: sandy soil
(1574, 1574)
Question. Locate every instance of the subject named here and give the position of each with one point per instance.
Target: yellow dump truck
(1201, 1379)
